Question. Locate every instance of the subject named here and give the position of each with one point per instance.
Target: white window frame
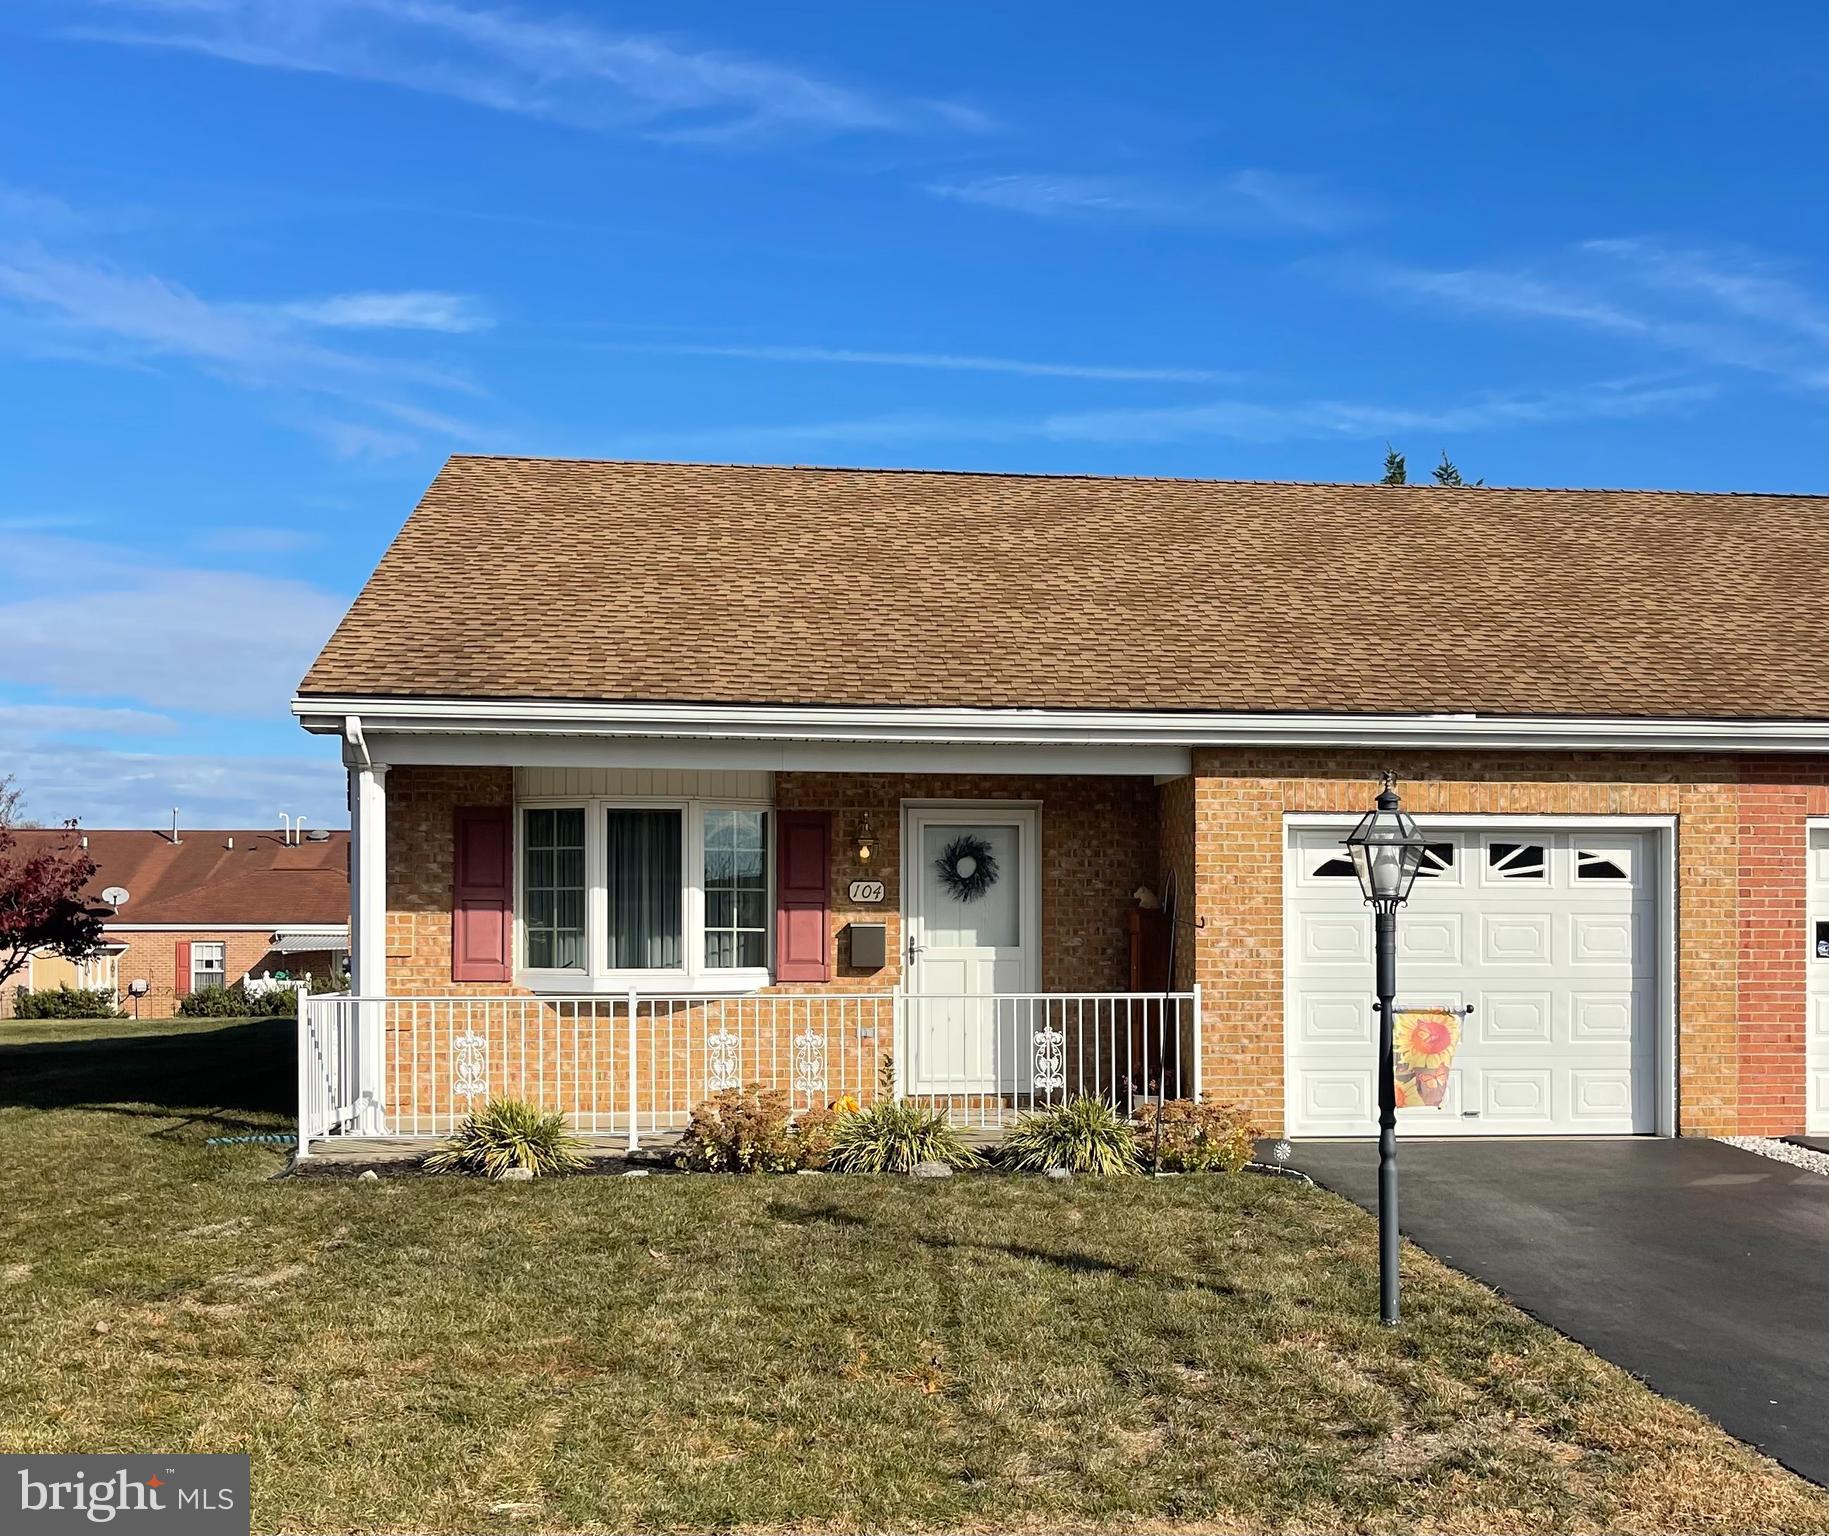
(221, 949)
(694, 977)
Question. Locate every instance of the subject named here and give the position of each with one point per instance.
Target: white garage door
(1550, 936)
(1816, 1032)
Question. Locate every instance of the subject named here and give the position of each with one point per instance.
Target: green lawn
(690, 1353)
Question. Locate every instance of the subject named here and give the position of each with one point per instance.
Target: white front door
(1549, 935)
(1816, 1002)
(970, 922)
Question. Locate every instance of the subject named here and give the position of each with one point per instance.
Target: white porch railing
(635, 1064)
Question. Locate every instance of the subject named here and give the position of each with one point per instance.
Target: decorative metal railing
(633, 1065)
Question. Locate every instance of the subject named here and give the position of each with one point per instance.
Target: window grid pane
(736, 889)
(553, 889)
(209, 965)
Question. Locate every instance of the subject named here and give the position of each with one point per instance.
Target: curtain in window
(643, 876)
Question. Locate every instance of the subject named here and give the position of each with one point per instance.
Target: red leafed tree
(41, 896)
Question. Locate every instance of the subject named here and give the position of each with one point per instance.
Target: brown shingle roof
(560, 579)
(202, 881)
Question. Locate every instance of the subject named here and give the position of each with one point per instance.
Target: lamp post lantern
(1387, 850)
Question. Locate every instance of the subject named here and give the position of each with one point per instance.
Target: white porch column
(368, 933)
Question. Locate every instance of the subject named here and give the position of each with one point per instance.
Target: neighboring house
(627, 728)
(204, 908)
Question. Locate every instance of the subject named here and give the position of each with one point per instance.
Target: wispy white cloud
(1738, 281)
(1256, 422)
(31, 211)
(174, 637)
(1725, 308)
(255, 540)
(18, 720)
(109, 787)
(943, 361)
(93, 311)
(1247, 200)
(412, 311)
(566, 70)
(1232, 419)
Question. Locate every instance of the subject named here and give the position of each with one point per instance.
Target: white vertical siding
(673, 783)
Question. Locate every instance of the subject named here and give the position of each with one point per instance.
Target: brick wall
(421, 802)
(1098, 845)
(1774, 944)
(154, 956)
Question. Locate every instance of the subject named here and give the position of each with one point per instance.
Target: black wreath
(963, 886)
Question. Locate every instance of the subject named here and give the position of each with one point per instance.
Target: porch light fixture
(866, 841)
(1387, 851)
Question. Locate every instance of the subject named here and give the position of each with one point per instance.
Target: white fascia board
(1048, 727)
(774, 756)
(193, 927)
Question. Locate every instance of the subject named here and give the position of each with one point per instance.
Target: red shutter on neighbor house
(181, 969)
(803, 894)
(482, 894)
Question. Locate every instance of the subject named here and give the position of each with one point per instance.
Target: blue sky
(263, 265)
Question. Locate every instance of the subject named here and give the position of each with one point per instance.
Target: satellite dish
(115, 895)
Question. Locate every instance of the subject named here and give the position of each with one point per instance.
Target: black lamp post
(1387, 850)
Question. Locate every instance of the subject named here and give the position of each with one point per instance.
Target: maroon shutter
(482, 894)
(181, 969)
(803, 894)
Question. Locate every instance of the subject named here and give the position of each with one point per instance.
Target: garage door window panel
(1511, 861)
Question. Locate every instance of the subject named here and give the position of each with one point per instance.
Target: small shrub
(755, 1130)
(509, 1133)
(1196, 1138)
(212, 1003)
(1085, 1135)
(891, 1137)
(65, 1003)
(815, 1132)
(237, 1002)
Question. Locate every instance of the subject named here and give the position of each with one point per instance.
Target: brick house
(991, 786)
(199, 908)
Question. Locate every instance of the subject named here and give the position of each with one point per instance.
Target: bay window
(673, 893)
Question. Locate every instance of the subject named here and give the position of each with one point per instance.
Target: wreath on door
(967, 868)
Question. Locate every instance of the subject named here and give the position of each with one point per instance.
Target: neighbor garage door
(1550, 936)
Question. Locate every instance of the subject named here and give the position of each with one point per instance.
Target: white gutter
(379, 716)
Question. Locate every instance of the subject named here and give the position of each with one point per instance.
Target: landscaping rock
(368, 1176)
(932, 1171)
(637, 1173)
(516, 1176)
(1059, 1173)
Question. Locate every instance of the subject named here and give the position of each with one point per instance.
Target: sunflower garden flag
(1426, 1042)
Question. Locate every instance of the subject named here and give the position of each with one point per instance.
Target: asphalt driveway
(1699, 1267)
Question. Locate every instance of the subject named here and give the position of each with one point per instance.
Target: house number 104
(866, 891)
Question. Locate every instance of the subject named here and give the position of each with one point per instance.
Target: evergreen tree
(1394, 471)
(1446, 474)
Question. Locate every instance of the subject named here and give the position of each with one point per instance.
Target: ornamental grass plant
(1085, 1135)
(895, 1137)
(506, 1134)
